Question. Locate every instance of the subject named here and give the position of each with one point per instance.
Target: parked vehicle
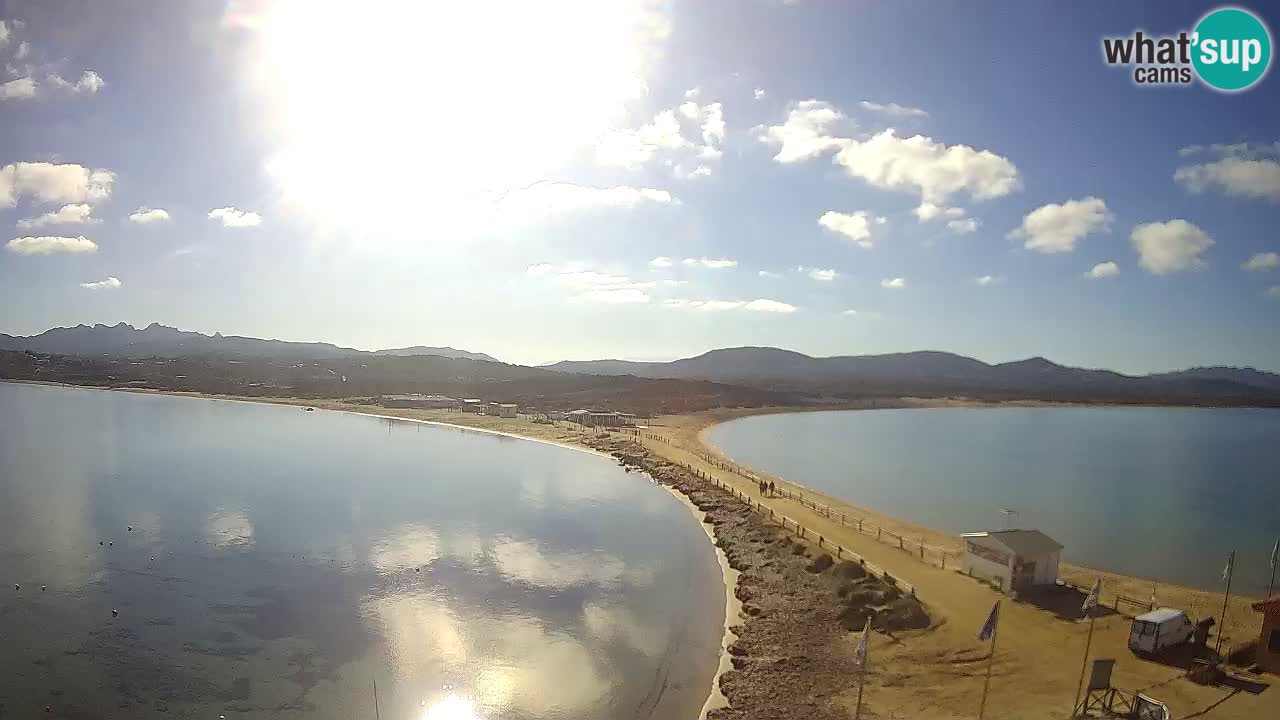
(1161, 628)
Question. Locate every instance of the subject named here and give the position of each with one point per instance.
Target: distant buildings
(417, 400)
(601, 418)
(1012, 560)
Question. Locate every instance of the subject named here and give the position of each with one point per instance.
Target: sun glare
(452, 707)
(440, 107)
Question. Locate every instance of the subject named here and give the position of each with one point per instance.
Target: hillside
(156, 340)
(933, 373)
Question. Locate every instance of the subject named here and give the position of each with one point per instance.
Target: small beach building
(1269, 640)
(1012, 560)
(507, 410)
(472, 405)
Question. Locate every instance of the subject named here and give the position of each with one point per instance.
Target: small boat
(310, 409)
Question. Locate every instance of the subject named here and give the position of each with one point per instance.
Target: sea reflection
(280, 561)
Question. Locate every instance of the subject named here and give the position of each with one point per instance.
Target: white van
(1159, 629)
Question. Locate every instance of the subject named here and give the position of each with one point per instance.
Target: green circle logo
(1232, 49)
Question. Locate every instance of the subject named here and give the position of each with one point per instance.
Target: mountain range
(933, 373)
(156, 340)
(923, 373)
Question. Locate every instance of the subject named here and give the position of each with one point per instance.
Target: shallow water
(1163, 493)
(281, 562)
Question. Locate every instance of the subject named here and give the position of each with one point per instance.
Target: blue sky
(638, 179)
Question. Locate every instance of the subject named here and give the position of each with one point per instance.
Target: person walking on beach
(772, 489)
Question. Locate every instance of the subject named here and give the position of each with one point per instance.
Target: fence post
(922, 551)
(900, 546)
(878, 531)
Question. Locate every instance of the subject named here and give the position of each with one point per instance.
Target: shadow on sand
(1063, 601)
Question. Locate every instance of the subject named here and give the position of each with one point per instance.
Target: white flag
(989, 627)
(860, 655)
(1226, 571)
(1275, 550)
(1091, 601)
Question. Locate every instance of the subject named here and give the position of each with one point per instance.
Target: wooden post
(1083, 663)
(991, 660)
(1222, 625)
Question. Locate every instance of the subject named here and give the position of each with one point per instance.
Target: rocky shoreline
(794, 653)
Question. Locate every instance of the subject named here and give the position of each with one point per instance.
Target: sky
(639, 179)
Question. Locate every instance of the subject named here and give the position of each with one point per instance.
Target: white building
(1011, 559)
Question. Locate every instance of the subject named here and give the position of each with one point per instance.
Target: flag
(1091, 601)
(1226, 571)
(989, 627)
(860, 655)
(1275, 551)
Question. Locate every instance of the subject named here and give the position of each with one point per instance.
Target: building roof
(1269, 605)
(1027, 543)
(1159, 615)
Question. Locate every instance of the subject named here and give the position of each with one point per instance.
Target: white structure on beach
(1012, 560)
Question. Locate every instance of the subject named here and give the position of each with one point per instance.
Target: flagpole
(1222, 625)
(1275, 550)
(995, 633)
(1085, 662)
(862, 679)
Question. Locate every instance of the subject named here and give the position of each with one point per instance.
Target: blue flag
(989, 627)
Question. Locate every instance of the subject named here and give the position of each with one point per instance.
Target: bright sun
(452, 707)
(438, 107)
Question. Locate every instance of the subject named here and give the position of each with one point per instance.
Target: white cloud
(74, 214)
(19, 89)
(89, 82)
(893, 109)
(661, 261)
(1242, 169)
(986, 280)
(692, 93)
(540, 268)
(758, 94)
(757, 305)
(144, 215)
(5, 33)
(1103, 270)
(962, 227)
(927, 211)
(933, 169)
(713, 264)
(554, 198)
(893, 283)
(770, 306)
(616, 296)
(1056, 228)
(111, 283)
(1273, 292)
(768, 274)
(1263, 261)
(856, 225)
(850, 312)
(47, 245)
(717, 305)
(1190, 150)
(806, 132)
(1233, 176)
(53, 183)
(1171, 246)
(666, 133)
(24, 49)
(823, 275)
(231, 217)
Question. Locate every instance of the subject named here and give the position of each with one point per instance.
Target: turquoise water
(1163, 493)
(281, 562)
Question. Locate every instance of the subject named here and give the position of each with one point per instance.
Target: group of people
(767, 489)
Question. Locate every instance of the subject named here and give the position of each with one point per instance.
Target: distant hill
(933, 373)
(447, 352)
(156, 340)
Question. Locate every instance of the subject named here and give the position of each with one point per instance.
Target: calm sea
(282, 562)
(1163, 493)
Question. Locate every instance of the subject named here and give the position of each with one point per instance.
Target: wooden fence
(840, 552)
(916, 548)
